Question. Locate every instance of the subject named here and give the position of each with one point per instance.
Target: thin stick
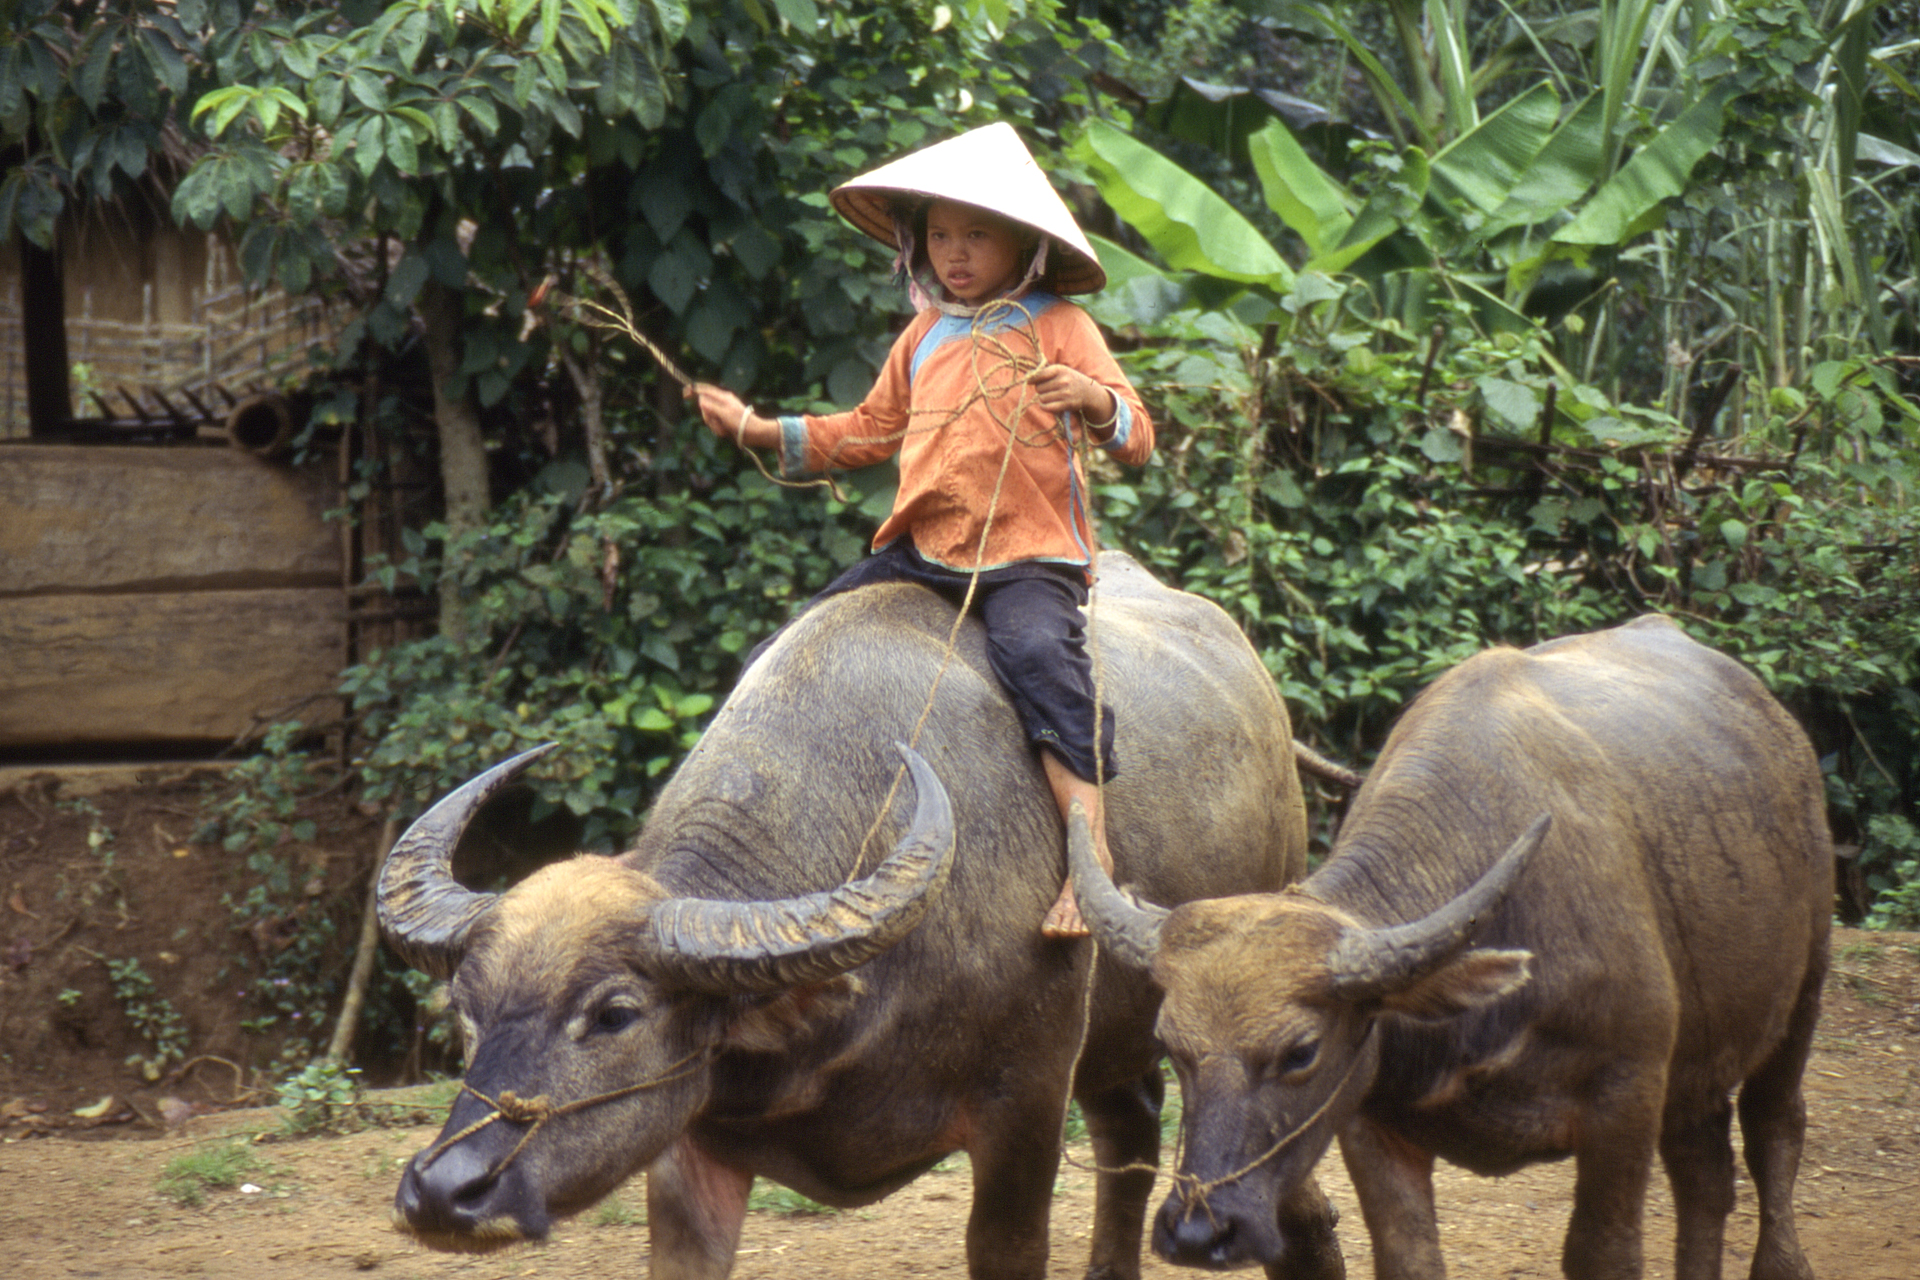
(618, 318)
(363, 955)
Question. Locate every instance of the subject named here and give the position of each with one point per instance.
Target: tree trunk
(586, 381)
(463, 450)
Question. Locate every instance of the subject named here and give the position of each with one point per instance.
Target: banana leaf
(1186, 223)
(1631, 200)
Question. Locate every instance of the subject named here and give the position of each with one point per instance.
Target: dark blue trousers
(1036, 643)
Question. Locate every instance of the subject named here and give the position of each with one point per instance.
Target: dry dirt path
(76, 1207)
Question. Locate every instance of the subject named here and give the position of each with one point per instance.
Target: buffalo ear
(1474, 977)
(774, 1024)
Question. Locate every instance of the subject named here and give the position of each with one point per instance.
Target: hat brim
(990, 169)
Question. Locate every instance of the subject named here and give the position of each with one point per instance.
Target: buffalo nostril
(1194, 1237)
(446, 1193)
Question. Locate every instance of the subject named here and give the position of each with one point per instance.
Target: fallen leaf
(95, 1111)
(18, 901)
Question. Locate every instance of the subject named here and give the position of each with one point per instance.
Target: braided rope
(537, 1110)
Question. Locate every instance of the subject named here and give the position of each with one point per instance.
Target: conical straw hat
(989, 168)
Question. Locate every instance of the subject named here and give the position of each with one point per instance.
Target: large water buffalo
(1654, 936)
(709, 1007)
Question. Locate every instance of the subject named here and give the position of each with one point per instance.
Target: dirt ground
(107, 1174)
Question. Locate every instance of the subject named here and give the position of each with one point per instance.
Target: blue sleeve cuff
(1122, 424)
(793, 445)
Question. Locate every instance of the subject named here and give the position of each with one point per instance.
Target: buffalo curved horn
(423, 910)
(721, 947)
(1127, 931)
(1369, 963)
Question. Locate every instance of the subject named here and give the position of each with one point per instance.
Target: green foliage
(151, 1014)
(87, 92)
(1473, 404)
(323, 1095)
(1891, 858)
(259, 809)
(784, 1202)
(215, 1166)
(614, 632)
(290, 962)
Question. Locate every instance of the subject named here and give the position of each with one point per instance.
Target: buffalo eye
(1292, 1062)
(614, 1018)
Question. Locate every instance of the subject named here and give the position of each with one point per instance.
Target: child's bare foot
(1063, 917)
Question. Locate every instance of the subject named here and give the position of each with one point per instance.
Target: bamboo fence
(236, 338)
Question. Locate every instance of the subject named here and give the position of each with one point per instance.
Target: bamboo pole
(363, 954)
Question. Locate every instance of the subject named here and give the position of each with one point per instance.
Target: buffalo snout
(456, 1200)
(1197, 1235)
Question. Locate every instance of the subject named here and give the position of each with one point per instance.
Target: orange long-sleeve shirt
(943, 403)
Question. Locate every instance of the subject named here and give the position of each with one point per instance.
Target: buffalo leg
(695, 1208)
(1123, 1123)
(1619, 1128)
(1773, 1129)
(1393, 1180)
(1016, 1157)
(1698, 1153)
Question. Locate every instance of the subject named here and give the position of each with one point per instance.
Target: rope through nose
(1193, 1191)
(537, 1110)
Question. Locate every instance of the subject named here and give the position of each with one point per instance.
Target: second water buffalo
(1653, 938)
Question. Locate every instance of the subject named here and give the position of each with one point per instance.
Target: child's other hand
(728, 417)
(1062, 389)
(719, 408)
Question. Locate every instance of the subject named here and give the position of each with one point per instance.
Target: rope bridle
(537, 1110)
(1192, 1191)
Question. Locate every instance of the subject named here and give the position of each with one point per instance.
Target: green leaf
(1656, 173)
(1190, 226)
(301, 58)
(1516, 405)
(481, 108)
(95, 58)
(218, 100)
(412, 38)
(1299, 190)
(801, 14)
(1137, 292)
(12, 91)
(165, 60)
(368, 89)
(368, 145)
(406, 280)
(1566, 169)
(1480, 168)
(674, 277)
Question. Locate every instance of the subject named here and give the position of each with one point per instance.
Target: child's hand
(1062, 389)
(720, 409)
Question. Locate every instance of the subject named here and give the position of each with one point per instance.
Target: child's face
(976, 255)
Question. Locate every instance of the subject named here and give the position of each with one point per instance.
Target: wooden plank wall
(161, 596)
